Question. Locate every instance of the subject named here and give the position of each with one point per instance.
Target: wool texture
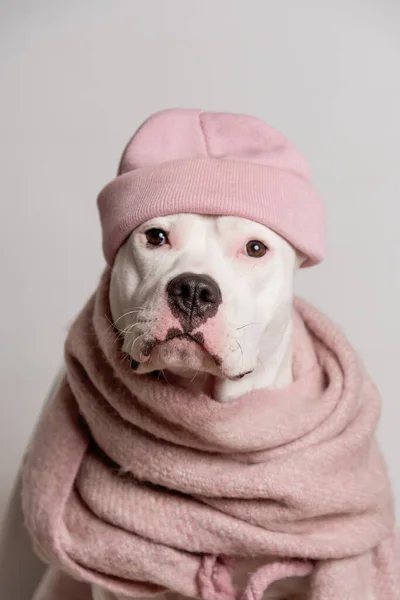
(140, 486)
(209, 163)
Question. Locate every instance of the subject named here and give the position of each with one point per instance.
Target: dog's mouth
(172, 334)
(175, 334)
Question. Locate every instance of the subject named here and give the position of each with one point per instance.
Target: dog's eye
(156, 237)
(256, 249)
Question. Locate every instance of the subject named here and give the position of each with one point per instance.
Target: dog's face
(194, 293)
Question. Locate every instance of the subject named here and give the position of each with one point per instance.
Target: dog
(205, 302)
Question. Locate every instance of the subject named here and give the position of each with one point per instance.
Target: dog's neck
(274, 370)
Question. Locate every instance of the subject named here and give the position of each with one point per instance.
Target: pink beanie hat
(188, 161)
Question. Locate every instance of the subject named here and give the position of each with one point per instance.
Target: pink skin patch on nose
(159, 332)
(214, 335)
(209, 335)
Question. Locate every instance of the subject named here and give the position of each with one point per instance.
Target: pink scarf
(140, 486)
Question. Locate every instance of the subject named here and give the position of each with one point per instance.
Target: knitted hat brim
(273, 197)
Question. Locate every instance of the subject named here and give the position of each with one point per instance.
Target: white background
(78, 77)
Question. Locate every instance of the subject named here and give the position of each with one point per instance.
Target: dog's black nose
(193, 299)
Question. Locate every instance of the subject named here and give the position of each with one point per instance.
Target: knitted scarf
(140, 486)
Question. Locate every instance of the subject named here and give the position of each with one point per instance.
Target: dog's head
(194, 293)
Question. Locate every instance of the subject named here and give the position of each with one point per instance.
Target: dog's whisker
(194, 377)
(111, 324)
(129, 328)
(165, 377)
(241, 350)
(135, 340)
(130, 312)
(248, 325)
(115, 334)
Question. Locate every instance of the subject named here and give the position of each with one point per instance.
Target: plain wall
(78, 77)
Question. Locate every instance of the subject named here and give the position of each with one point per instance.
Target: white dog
(206, 302)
